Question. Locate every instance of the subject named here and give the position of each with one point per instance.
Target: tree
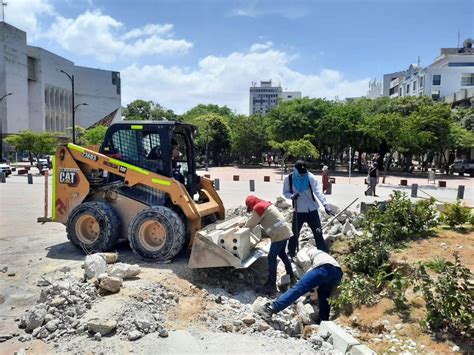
(94, 135)
(388, 128)
(249, 136)
(291, 120)
(202, 110)
(213, 138)
(300, 149)
(148, 110)
(35, 144)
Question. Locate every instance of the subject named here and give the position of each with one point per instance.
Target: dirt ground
(370, 321)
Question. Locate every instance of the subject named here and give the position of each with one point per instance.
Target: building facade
(375, 89)
(264, 97)
(41, 95)
(451, 72)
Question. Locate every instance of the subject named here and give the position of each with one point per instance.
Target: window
(436, 79)
(461, 64)
(421, 82)
(32, 68)
(414, 86)
(401, 92)
(408, 89)
(435, 95)
(467, 80)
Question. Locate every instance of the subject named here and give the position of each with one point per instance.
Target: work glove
(329, 210)
(295, 196)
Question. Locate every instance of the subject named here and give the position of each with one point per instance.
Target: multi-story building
(264, 97)
(41, 95)
(451, 72)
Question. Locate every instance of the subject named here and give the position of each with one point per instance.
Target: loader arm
(134, 175)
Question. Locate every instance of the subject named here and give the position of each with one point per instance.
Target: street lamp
(71, 78)
(82, 104)
(1, 98)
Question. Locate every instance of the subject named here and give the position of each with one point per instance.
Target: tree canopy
(148, 110)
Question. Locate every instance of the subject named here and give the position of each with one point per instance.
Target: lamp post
(82, 104)
(1, 98)
(71, 78)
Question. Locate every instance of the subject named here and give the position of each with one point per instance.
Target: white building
(375, 89)
(41, 97)
(264, 97)
(451, 72)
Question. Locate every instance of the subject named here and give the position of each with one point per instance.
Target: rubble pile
(145, 314)
(66, 298)
(59, 309)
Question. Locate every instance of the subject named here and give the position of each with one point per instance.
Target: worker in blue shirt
(301, 187)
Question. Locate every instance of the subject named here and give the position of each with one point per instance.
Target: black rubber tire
(175, 233)
(109, 223)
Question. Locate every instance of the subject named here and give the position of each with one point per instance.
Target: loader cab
(163, 147)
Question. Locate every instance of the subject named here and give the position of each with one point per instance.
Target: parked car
(4, 168)
(462, 166)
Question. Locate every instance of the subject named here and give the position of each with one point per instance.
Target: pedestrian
(279, 231)
(325, 179)
(300, 186)
(372, 179)
(324, 273)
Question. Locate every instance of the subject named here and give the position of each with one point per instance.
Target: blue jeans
(312, 218)
(326, 277)
(277, 249)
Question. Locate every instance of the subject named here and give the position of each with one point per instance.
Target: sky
(180, 53)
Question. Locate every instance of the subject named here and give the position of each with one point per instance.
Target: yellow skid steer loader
(140, 185)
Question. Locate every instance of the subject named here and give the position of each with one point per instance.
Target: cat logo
(69, 177)
(122, 169)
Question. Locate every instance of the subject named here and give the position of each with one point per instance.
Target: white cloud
(256, 8)
(25, 14)
(258, 47)
(95, 34)
(226, 80)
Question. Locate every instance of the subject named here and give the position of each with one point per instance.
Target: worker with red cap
(275, 226)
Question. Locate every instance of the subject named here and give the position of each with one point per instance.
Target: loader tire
(157, 233)
(93, 227)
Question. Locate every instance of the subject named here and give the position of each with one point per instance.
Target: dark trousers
(277, 249)
(312, 218)
(326, 277)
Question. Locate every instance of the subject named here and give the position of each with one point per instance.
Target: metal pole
(350, 163)
(73, 113)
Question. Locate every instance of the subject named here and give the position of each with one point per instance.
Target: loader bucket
(207, 252)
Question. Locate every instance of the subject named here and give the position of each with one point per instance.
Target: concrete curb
(343, 341)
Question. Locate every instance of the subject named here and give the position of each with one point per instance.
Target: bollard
(414, 190)
(461, 192)
(30, 179)
(332, 180)
(266, 178)
(2, 178)
(441, 183)
(252, 185)
(217, 184)
(236, 177)
(403, 182)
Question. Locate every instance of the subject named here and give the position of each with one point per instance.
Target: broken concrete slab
(102, 326)
(341, 340)
(109, 258)
(361, 350)
(124, 271)
(110, 283)
(35, 319)
(94, 265)
(231, 223)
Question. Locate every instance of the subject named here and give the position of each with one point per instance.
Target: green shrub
(455, 215)
(396, 285)
(400, 219)
(357, 291)
(449, 298)
(366, 256)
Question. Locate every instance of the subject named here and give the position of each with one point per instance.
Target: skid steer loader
(140, 185)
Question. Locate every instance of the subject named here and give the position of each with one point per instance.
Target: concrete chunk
(342, 340)
(361, 350)
(234, 222)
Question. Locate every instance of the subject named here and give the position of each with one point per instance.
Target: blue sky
(181, 53)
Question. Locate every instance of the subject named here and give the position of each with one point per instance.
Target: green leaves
(148, 110)
(37, 144)
(449, 298)
(455, 215)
